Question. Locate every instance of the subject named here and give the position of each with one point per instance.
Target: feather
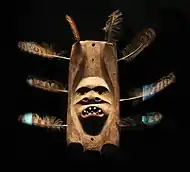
(48, 85)
(47, 46)
(152, 118)
(147, 119)
(62, 52)
(150, 90)
(113, 26)
(139, 43)
(73, 27)
(44, 122)
(127, 122)
(43, 50)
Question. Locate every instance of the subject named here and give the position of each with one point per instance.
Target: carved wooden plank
(93, 95)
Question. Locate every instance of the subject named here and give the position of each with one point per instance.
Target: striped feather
(44, 122)
(113, 26)
(148, 91)
(139, 43)
(73, 27)
(147, 120)
(47, 85)
(43, 50)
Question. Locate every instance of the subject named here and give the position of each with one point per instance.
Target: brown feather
(113, 26)
(137, 93)
(73, 27)
(45, 122)
(48, 85)
(136, 120)
(139, 43)
(43, 50)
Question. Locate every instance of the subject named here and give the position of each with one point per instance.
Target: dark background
(164, 145)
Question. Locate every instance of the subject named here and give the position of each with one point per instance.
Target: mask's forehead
(90, 44)
(87, 60)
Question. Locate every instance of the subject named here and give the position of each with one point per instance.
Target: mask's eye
(97, 99)
(85, 100)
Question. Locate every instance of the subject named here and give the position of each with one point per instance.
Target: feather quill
(113, 26)
(138, 44)
(48, 85)
(43, 50)
(73, 27)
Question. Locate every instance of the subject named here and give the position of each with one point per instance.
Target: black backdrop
(44, 21)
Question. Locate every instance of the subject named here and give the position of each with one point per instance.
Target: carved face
(93, 104)
(93, 95)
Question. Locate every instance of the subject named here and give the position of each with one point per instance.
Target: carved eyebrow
(83, 90)
(99, 89)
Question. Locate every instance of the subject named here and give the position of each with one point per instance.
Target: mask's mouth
(93, 118)
(92, 111)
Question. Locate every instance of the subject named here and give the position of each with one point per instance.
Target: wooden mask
(93, 95)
